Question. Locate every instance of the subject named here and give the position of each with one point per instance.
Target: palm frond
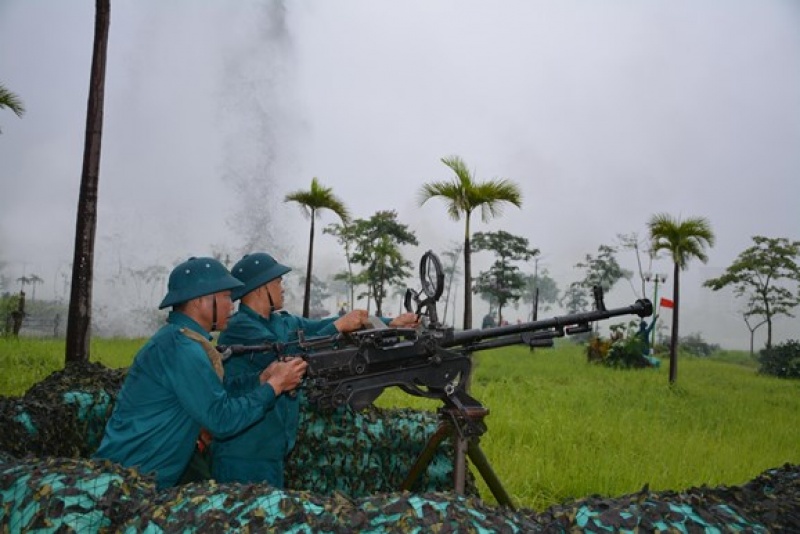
(11, 101)
(317, 198)
(684, 240)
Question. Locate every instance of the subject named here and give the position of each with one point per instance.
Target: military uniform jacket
(171, 390)
(257, 454)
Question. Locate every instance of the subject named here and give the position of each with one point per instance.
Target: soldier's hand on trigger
(351, 321)
(284, 375)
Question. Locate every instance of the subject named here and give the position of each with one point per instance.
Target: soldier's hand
(351, 321)
(266, 373)
(285, 375)
(405, 320)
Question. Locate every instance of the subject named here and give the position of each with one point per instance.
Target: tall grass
(560, 428)
(25, 361)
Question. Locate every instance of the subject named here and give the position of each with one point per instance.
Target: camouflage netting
(378, 446)
(355, 453)
(6, 457)
(69, 495)
(344, 475)
(768, 503)
(63, 415)
(214, 507)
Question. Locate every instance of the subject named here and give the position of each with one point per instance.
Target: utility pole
(656, 278)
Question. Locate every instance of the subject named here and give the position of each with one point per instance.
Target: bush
(695, 345)
(627, 353)
(8, 305)
(624, 350)
(781, 360)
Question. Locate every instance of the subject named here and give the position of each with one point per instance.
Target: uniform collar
(247, 310)
(182, 320)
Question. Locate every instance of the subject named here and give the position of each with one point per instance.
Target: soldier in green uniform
(259, 453)
(174, 387)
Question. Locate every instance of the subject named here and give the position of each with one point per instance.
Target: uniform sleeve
(245, 333)
(317, 327)
(242, 371)
(201, 393)
(241, 384)
(324, 327)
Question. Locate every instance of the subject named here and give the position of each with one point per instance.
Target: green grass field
(561, 428)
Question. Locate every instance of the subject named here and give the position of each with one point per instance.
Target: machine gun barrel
(499, 336)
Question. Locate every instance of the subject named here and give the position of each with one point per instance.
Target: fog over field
(604, 112)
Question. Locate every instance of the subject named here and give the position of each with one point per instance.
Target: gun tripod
(461, 418)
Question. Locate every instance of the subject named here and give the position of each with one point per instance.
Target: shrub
(597, 349)
(627, 353)
(781, 360)
(695, 344)
(625, 349)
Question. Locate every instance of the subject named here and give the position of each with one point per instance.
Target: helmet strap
(214, 313)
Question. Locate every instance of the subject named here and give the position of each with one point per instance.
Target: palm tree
(11, 101)
(683, 240)
(23, 280)
(34, 280)
(315, 199)
(79, 317)
(463, 195)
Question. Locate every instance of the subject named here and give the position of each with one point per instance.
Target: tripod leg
(460, 464)
(425, 457)
(488, 474)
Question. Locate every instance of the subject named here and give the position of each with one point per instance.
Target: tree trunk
(350, 271)
(307, 296)
(467, 278)
(769, 331)
(379, 290)
(80, 304)
(673, 345)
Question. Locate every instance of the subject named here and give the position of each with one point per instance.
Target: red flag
(667, 303)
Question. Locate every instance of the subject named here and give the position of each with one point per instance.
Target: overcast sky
(604, 112)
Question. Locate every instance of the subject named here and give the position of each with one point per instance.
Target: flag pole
(653, 333)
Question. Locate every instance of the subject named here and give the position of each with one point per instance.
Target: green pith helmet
(255, 270)
(197, 277)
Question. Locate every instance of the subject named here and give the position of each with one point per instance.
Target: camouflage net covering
(68, 495)
(356, 453)
(343, 476)
(768, 503)
(214, 507)
(63, 415)
(376, 445)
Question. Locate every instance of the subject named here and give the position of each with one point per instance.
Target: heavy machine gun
(433, 361)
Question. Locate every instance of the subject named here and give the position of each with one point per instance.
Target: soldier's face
(275, 289)
(224, 308)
